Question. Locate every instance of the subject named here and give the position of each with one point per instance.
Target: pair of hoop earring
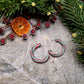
(51, 53)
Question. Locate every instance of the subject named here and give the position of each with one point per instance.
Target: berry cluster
(38, 25)
(11, 36)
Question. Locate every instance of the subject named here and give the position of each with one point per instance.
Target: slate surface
(17, 67)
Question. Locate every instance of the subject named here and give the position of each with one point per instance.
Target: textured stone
(62, 70)
(5, 67)
(16, 78)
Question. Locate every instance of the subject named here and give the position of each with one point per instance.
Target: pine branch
(73, 17)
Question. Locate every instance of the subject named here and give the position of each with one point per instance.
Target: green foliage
(81, 57)
(72, 14)
(11, 7)
(80, 37)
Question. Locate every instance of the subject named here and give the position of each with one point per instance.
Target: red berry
(12, 37)
(38, 19)
(1, 31)
(57, 12)
(59, 7)
(24, 36)
(54, 18)
(38, 24)
(6, 20)
(2, 41)
(32, 31)
(47, 24)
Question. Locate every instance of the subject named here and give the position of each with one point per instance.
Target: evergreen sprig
(72, 15)
(9, 8)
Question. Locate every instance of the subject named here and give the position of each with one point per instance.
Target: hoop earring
(61, 53)
(36, 59)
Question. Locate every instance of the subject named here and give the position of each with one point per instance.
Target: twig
(8, 35)
(34, 26)
(5, 26)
